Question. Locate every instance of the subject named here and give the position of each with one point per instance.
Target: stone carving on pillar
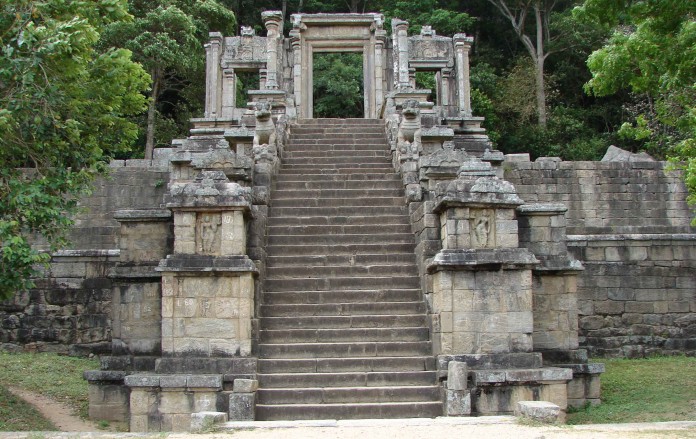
(273, 20)
(482, 228)
(213, 75)
(208, 234)
(408, 137)
(400, 55)
(462, 46)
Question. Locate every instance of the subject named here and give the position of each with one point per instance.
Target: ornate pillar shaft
(273, 20)
(297, 69)
(212, 75)
(462, 45)
(445, 75)
(229, 92)
(400, 32)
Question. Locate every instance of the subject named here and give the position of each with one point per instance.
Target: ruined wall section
(70, 310)
(607, 197)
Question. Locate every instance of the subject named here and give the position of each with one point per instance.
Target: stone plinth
(108, 396)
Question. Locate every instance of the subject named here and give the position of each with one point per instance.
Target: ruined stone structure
(391, 266)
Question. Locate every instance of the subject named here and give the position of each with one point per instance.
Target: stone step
(358, 161)
(343, 296)
(296, 153)
(338, 395)
(343, 249)
(332, 185)
(339, 202)
(341, 283)
(328, 122)
(322, 335)
(313, 146)
(279, 412)
(329, 221)
(347, 379)
(339, 169)
(367, 211)
(370, 177)
(345, 349)
(343, 309)
(310, 271)
(387, 237)
(340, 133)
(329, 141)
(343, 322)
(375, 229)
(338, 260)
(334, 365)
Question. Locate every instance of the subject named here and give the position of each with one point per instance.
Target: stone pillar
(296, 68)
(400, 53)
(380, 40)
(213, 74)
(273, 20)
(482, 280)
(229, 93)
(445, 75)
(462, 46)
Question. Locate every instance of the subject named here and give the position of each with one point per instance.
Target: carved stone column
(212, 75)
(380, 40)
(400, 36)
(296, 68)
(229, 93)
(462, 45)
(445, 75)
(273, 20)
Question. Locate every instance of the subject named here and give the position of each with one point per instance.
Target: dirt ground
(502, 427)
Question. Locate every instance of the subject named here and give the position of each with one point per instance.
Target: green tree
(167, 37)
(338, 85)
(64, 109)
(652, 53)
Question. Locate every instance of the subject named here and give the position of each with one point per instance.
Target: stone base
(497, 392)
(585, 386)
(108, 396)
(542, 411)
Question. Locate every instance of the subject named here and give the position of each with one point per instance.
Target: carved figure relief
(248, 47)
(408, 136)
(429, 48)
(208, 233)
(264, 133)
(482, 226)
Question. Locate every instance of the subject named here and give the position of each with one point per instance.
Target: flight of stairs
(342, 329)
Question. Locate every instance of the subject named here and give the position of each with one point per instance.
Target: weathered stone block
(457, 375)
(245, 386)
(242, 407)
(204, 421)
(541, 411)
(457, 403)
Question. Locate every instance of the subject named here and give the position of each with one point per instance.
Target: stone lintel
(239, 135)
(325, 19)
(584, 368)
(483, 259)
(479, 200)
(206, 263)
(134, 272)
(142, 215)
(557, 265)
(100, 376)
(107, 253)
(525, 360)
(500, 376)
(230, 368)
(542, 209)
(175, 381)
(437, 133)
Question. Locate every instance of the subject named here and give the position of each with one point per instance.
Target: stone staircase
(342, 329)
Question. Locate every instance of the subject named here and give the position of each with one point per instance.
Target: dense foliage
(63, 111)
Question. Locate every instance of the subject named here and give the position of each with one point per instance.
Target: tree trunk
(539, 65)
(151, 113)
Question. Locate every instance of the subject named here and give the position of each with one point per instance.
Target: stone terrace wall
(637, 295)
(607, 197)
(70, 309)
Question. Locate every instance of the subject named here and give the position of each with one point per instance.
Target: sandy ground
(503, 427)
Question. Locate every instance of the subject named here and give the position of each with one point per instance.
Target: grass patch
(17, 415)
(58, 377)
(644, 390)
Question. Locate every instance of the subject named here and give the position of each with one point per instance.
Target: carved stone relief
(245, 48)
(482, 227)
(208, 233)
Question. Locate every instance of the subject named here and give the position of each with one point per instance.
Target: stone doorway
(329, 33)
(338, 85)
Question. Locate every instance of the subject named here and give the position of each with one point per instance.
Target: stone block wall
(637, 295)
(69, 311)
(607, 197)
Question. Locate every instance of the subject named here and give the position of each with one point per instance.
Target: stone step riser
(386, 238)
(335, 365)
(355, 178)
(339, 202)
(332, 122)
(344, 322)
(329, 186)
(336, 297)
(343, 309)
(338, 271)
(340, 283)
(348, 395)
(375, 229)
(329, 142)
(331, 350)
(342, 133)
(360, 162)
(338, 260)
(318, 250)
(347, 379)
(349, 411)
(309, 154)
(335, 169)
(329, 221)
(323, 335)
(348, 211)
